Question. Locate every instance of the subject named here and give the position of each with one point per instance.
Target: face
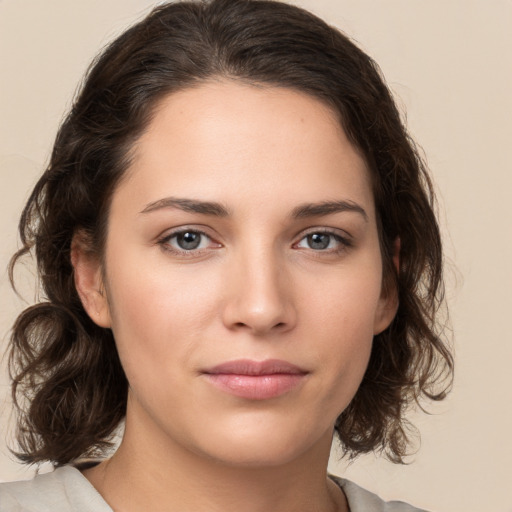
(243, 274)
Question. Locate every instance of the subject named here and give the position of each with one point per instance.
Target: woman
(237, 245)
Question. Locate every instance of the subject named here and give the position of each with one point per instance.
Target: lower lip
(256, 387)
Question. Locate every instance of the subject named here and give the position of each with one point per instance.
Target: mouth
(255, 380)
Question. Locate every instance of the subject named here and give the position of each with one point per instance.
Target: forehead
(225, 140)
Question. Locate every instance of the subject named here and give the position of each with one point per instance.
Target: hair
(69, 388)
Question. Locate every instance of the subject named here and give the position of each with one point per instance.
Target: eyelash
(165, 242)
(343, 243)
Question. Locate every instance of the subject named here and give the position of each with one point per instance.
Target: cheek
(347, 301)
(166, 320)
(157, 316)
(341, 320)
(154, 295)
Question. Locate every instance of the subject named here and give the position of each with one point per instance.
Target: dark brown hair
(68, 383)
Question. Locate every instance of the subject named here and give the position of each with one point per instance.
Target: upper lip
(250, 367)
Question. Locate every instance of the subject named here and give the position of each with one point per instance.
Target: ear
(88, 279)
(388, 302)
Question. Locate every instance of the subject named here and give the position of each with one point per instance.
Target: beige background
(449, 62)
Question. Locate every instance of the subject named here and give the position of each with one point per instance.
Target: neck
(148, 473)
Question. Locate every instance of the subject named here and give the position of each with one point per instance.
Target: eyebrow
(327, 208)
(188, 205)
(218, 210)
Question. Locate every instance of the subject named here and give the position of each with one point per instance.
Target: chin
(256, 456)
(265, 445)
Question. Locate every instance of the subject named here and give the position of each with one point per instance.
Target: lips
(255, 380)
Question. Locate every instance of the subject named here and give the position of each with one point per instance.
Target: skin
(255, 288)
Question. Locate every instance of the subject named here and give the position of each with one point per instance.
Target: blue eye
(186, 241)
(320, 241)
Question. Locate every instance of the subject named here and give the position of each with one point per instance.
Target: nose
(259, 295)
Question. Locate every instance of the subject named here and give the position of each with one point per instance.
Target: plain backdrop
(449, 64)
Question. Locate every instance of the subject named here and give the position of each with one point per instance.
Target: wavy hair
(68, 384)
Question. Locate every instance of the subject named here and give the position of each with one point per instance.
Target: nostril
(243, 325)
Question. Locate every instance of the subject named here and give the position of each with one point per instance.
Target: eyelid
(163, 241)
(344, 238)
(338, 232)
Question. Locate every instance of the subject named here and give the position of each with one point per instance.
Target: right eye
(319, 241)
(186, 241)
(324, 241)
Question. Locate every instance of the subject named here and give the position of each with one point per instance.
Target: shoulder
(62, 490)
(361, 500)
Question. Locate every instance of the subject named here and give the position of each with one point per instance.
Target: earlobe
(387, 309)
(388, 302)
(88, 280)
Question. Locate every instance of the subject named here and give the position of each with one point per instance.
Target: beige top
(67, 490)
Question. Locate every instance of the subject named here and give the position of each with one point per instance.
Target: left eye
(188, 240)
(320, 241)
